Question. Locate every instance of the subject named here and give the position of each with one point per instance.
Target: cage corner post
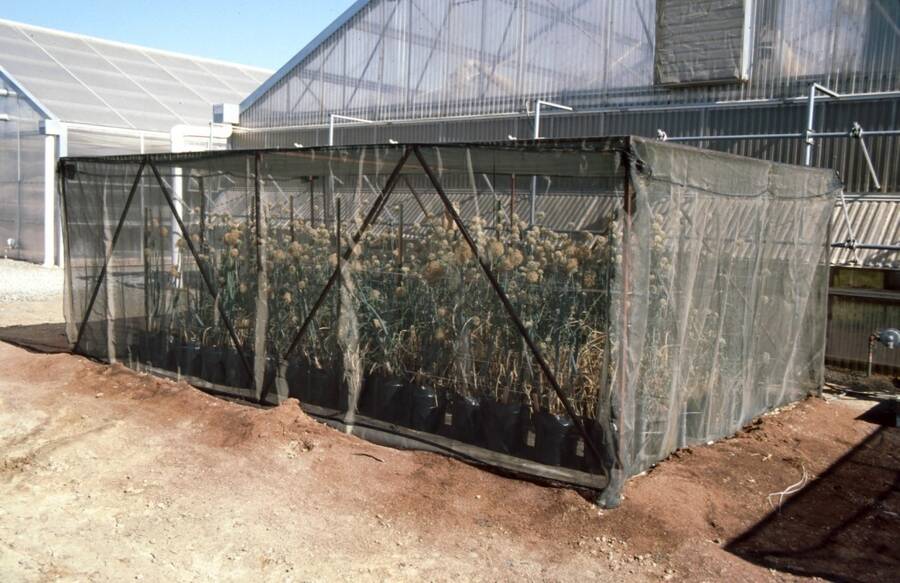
(66, 254)
(611, 497)
(261, 320)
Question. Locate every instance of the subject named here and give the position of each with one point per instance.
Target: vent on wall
(703, 41)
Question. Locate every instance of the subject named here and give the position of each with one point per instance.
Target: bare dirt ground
(111, 475)
(108, 475)
(29, 294)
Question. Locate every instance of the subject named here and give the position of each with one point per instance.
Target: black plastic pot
(426, 407)
(312, 385)
(550, 437)
(154, 349)
(134, 342)
(324, 388)
(189, 359)
(577, 454)
(461, 419)
(212, 367)
(386, 399)
(501, 426)
(235, 373)
(173, 355)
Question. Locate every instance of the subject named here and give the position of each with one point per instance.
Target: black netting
(573, 310)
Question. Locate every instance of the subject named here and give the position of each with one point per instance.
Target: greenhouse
(570, 310)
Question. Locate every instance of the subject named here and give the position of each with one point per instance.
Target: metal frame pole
(112, 247)
(537, 136)
(69, 296)
(510, 309)
(856, 132)
(334, 116)
(537, 114)
(262, 282)
(810, 118)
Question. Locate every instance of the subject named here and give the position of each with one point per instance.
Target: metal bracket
(856, 132)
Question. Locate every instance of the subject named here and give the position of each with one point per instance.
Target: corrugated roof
(876, 221)
(93, 81)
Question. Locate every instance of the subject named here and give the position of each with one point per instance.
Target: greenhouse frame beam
(370, 218)
(112, 248)
(201, 266)
(507, 304)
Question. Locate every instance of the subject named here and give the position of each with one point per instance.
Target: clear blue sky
(265, 33)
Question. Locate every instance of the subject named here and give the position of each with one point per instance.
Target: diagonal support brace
(201, 265)
(108, 258)
(370, 218)
(510, 309)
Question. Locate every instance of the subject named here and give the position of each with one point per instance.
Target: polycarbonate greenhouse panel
(410, 59)
(93, 81)
(572, 310)
(21, 177)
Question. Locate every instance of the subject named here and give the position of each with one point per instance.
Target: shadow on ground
(845, 525)
(50, 338)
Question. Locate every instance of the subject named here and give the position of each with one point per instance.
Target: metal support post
(810, 118)
(537, 136)
(331, 119)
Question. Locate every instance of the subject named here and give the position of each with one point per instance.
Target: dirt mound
(706, 513)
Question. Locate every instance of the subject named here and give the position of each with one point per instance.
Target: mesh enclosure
(569, 310)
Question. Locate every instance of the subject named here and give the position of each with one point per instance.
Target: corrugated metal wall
(838, 153)
(851, 319)
(21, 178)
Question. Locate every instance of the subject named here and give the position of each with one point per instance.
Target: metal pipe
(774, 136)
(537, 114)
(868, 133)
(850, 230)
(872, 339)
(334, 116)
(856, 132)
(537, 136)
(867, 246)
(733, 137)
(810, 118)
(741, 103)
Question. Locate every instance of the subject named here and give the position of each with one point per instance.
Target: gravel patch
(22, 282)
